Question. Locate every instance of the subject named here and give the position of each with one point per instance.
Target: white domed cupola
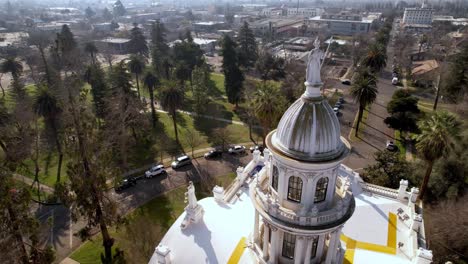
(310, 131)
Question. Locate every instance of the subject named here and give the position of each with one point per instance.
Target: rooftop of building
(423, 67)
(379, 230)
(115, 40)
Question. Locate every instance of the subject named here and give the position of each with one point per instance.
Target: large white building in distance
(418, 17)
(299, 204)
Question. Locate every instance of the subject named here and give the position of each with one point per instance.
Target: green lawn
(160, 213)
(399, 142)
(48, 163)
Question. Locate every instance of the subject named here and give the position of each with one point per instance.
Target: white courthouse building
(299, 204)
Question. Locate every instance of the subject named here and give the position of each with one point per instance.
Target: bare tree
(222, 137)
(193, 139)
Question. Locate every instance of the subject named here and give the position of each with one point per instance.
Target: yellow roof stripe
(238, 251)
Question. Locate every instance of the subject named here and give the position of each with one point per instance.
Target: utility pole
(436, 100)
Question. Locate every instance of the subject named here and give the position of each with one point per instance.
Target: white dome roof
(309, 130)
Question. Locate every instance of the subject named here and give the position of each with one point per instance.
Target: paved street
(61, 235)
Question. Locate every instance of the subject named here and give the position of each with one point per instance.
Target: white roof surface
(371, 234)
(213, 239)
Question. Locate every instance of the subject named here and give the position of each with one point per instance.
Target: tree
(67, 40)
(89, 169)
(270, 67)
(187, 56)
(20, 229)
(136, 66)
(89, 13)
(99, 88)
(389, 168)
(193, 139)
(364, 91)
(404, 112)
(11, 65)
(106, 14)
(118, 9)
(137, 43)
(456, 82)
(47, 106)
(247, 47)
(201, 88)
(222, 137)
(41, 41)
(376, 58)
(92, 50)
(159, 49)
(233, 76)
(439, 134)
(269, 105)
(150, 82)
(172, 98)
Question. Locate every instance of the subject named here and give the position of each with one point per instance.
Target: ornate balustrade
(312, 218)
(379, 190)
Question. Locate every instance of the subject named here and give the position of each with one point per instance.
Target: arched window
(321, 190)
(289, 243)
(274, 178)
(295, 189)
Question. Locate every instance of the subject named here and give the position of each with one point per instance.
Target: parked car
(338, 105)
(125, 184)
(237, 150)
(257, 147)
(390, 146)
(181, 161)
(346, 82)
(395, 81)
(341, 100)
(213, 154)
(155, 171)
(336, 110)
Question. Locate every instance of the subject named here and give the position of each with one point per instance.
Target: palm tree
(364, 91)
(439, 134)
(172, 98)
(150, 82)
(92, 50)
(268, 104)
(12, 66)
(136, 66)
(47, 106)
(376, 58)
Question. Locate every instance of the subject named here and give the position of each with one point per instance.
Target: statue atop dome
(314, 64)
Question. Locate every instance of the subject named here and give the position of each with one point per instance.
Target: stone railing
(379, 190)
(313, 218)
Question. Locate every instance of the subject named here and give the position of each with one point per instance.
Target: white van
(395, 80)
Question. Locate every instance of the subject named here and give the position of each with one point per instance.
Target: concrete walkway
(30, 181)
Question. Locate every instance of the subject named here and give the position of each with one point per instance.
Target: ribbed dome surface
(309, 130)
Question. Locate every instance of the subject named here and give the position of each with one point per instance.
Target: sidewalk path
(30, 181)
(210, 117)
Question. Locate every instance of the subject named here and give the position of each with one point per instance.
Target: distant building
(304, 12)
(272, 12)
(103, 27)
(208, 26)
(417, 18)
(117, 45)
(299, 44)
(344, 23)
(278, 27)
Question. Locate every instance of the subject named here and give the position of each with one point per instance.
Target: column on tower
(298, 259)
(256, 226)
(266, 234)
(332, 246)
(274, 244)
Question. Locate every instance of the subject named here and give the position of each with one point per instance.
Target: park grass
(400, 143)
(48, 163)
(352, 137)
(163, 211)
